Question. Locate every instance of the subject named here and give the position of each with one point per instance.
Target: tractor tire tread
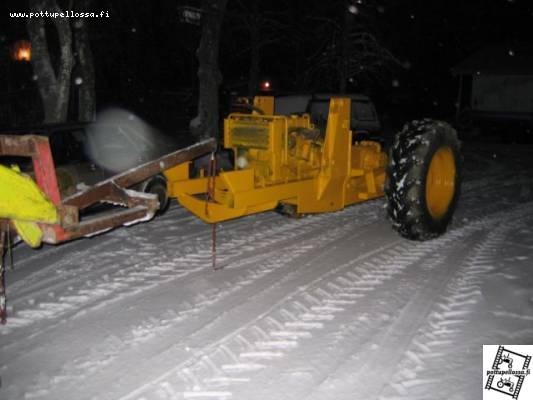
(409, 160)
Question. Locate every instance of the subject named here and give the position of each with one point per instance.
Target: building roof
(498, 59)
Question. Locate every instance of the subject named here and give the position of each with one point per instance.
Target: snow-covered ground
(331, 306)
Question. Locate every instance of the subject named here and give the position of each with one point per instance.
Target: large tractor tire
(423, 179)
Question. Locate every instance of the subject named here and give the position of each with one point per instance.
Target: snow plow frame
(139, 206)
(54, 220)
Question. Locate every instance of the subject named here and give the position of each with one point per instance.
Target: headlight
(241, 162)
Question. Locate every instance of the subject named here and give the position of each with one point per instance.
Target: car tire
(158, 186)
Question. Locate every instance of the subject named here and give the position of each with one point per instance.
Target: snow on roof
(500, 59)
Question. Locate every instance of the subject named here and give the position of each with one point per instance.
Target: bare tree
(254, 26)
(85, 67)
(205, 124)
(350, 51)
(263, 25)
(54, 84)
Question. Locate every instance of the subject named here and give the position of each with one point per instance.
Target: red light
(266, 85)
(21, 51)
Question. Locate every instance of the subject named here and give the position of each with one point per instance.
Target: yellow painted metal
(440, 182)
(265, 104)
(179, 173)
(30, 232)
(25, 204)
(286, 159)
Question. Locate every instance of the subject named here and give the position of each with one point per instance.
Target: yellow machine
(285, 160)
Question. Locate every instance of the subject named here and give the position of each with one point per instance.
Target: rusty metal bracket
(138, 206)
(3, 301)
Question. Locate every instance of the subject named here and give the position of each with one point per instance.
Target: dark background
(144, 55)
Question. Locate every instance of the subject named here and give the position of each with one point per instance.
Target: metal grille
(250, 136)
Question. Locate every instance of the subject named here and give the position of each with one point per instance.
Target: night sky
(145, 55)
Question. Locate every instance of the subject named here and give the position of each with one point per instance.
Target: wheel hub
(440, 182)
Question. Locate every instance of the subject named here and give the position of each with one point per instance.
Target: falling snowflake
(353, 9)
(381, 9)
(78, 80)
(133, 30)
(511, 52)
(395, 83)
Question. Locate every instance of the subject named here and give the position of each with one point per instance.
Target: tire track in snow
(306, 229)
(111, 238)
(29, 286)
(268, 337)
(434, 349)
(307, 245)
(392, 335)
(256, 342)
(212, 301)
(328, 216)
(99, 282)
(439, 307)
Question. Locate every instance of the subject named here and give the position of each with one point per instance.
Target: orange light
(21, 51)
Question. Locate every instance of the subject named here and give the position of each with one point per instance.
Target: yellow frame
(340, 173)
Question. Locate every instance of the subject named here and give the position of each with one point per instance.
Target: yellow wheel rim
(440, 182)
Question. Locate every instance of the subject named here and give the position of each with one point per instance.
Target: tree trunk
(255, 54)
(85, 78)
(54, 87)
(205, 124)
(344, 56)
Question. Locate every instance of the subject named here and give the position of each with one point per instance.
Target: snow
(195, 122)
(353, 9)
(330, 306)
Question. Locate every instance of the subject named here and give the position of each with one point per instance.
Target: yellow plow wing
(25, 204)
